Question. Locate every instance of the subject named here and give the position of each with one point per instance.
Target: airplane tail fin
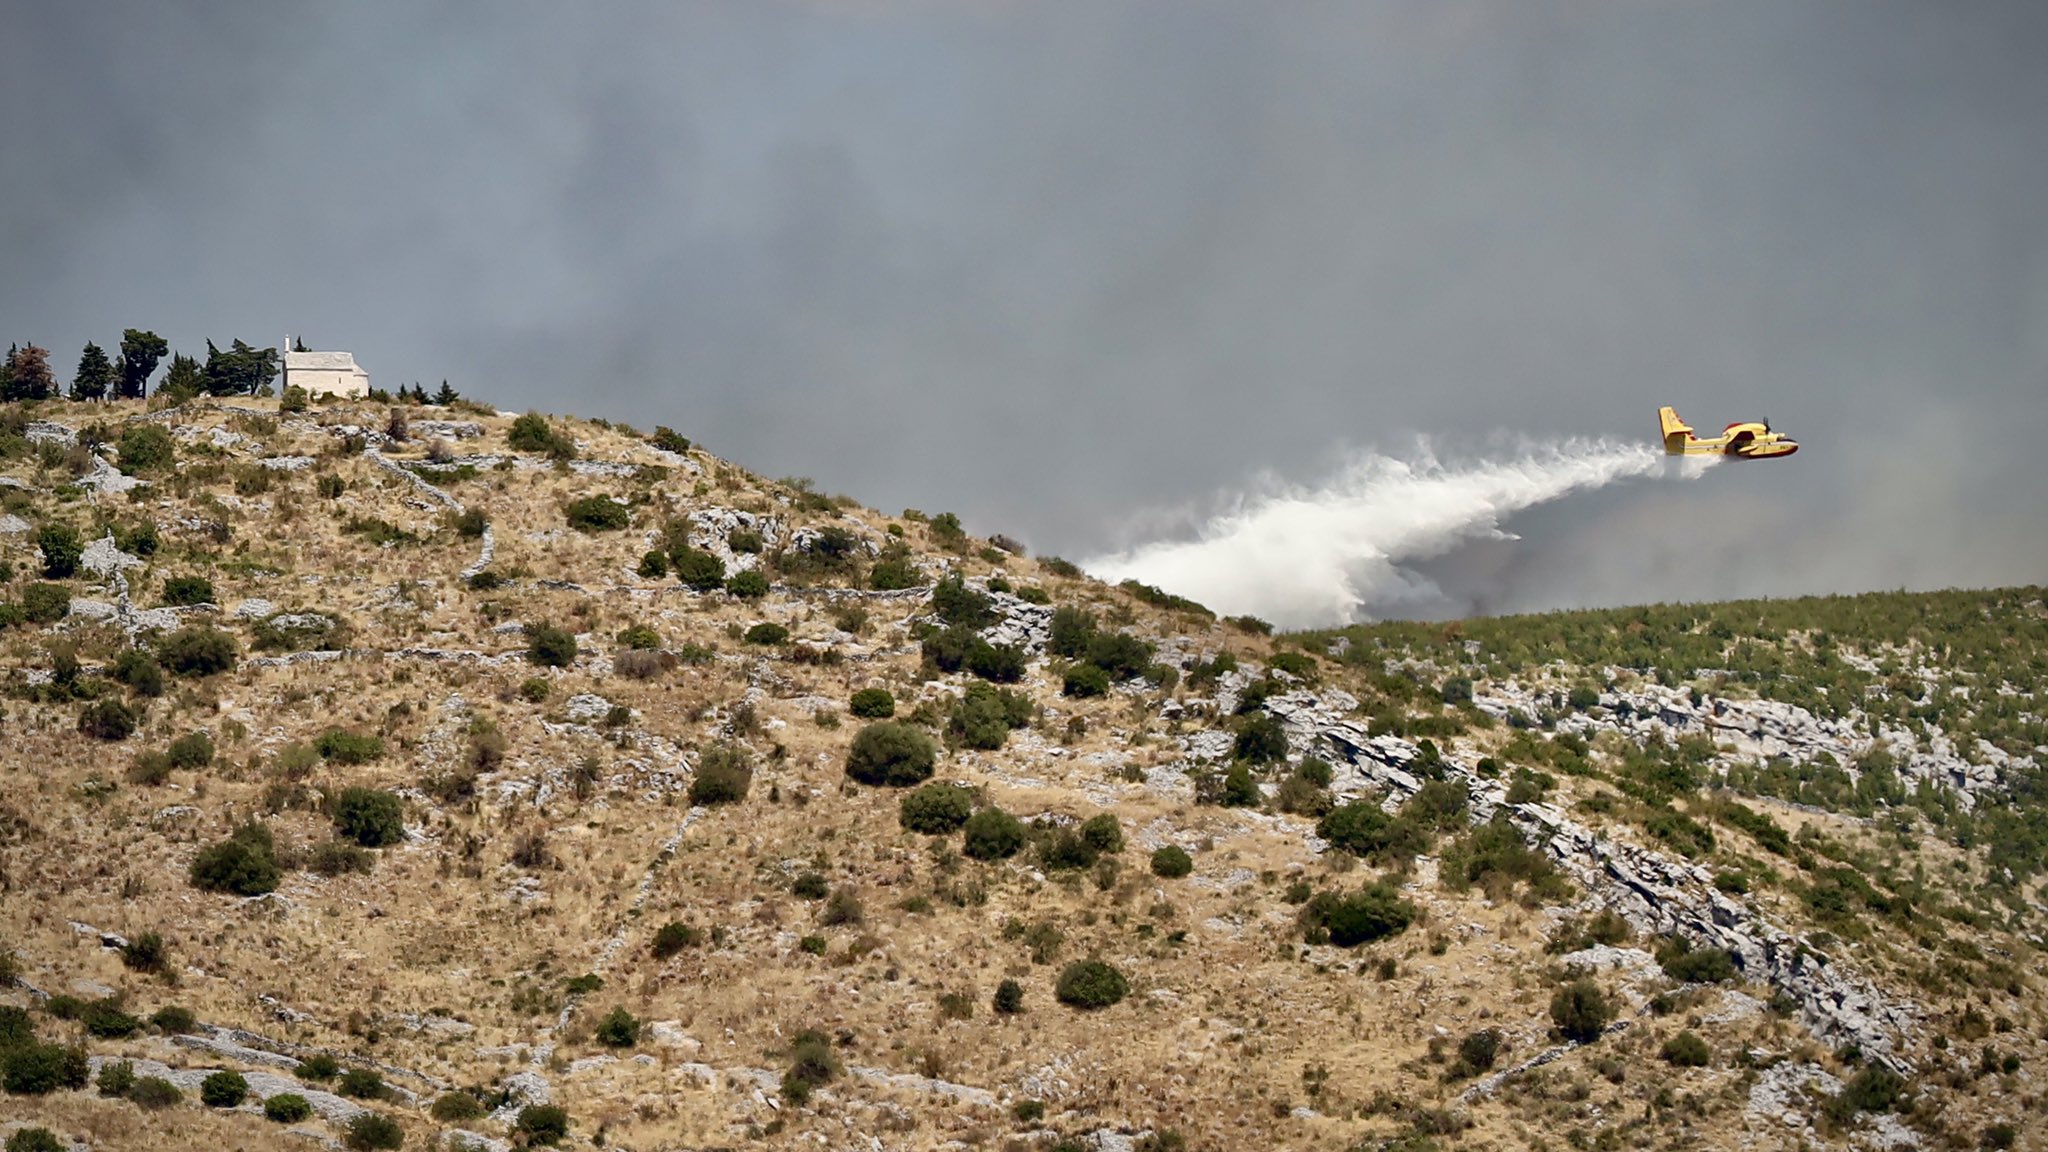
(1676, 432)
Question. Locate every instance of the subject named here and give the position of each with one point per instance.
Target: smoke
(1347, 550)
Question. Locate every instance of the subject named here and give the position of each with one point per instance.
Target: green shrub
(456, 1108)
(639, 638)
(154, 1093)
(1874, 1088)
(811, 1063)
(1689, 965)
(45, 603)
(534, 690)
(810, 886)
(362, 1084)
(619, 1029)
(745, 541)
(342, 746)
(550, 647)
(1090, 984)
(673, 937)
(935, 809)
(107, 719)
(993, 834)
(117, 1078)
(669, 440)
(318, 1067)
(146, 448)
(767, 632)
(1260, 740)
(1000, 663)
(654, 565)
(983, 716)
(813, 945)
(371, 817)
(16, 1028)
(532, 433)
(34, 1069)
(1580, 1011)
(724, 773)
(245, 864)
(701, 571)
(187, 590)
(1374, 912)
(145, 952)
(1072, 629)
(287, 1108)
(370, 1131)
(1084, 680)
(1364, 829)
(597, 514)
(173, 1020)
(1686, 1051)
(1102, 833)
(541, 1125)
(1120, 654)
(872, 704)
(1476, 1053)
(892, 574)
(61, 549)
(190, 751)
(1171, 862)
(34, 1140)
(197, 650)
(1009, 998)
(890, 753)
(139, 671)
(842, 907)
(748, 585)
(223, 1090)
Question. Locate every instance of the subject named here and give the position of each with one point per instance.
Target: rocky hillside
(453, 778)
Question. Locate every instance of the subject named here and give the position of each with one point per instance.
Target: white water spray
(1319, 557)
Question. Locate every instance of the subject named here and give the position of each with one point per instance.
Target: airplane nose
(1790, 446)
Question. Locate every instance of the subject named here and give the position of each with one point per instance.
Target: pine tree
(95, 376)
(184, 380)
(28, 374)
(140, 352)
(446, 395)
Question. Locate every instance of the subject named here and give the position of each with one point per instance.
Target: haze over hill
(1079, 270)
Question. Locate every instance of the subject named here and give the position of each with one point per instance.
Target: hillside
(527, 762)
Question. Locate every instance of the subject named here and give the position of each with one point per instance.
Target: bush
(542, 1124)
(108, 720)
(152, 1093)
(1364, 829)
(842, 907)
(456, 1108)
(1580, 1011)
(748, 585)
(891, 753)
(673, 937)
(34, 1140)
(810, 886)
(669, 440)
(811, 1063)
(724, 773)
(935, 809)
(190, 751)
(1009, 998)
(641, 664)
(958, 606)
(701, 571)
(1090, 984)
(373, 1130)
(597, 514)
(1686, 1051)
(639, 638)
(1874, 1088)
(45, 603)
(223, 1090)
(892, 574)
(197, 650)
(767, 632)
(1689, 965)
(117, 1078)
(532, 433)
(16, 1028)
(1102, 833)
(1374, 912)
(1476, 1053)
(993, 834)
(318, 1067)
(34, 1069)
(105, 1019)
(370, 817)
(187, 590)
(1084, 680)
(983, 717)
(145, 952)
(173, 1020)
(1172, 862)
(550, 647)
(619, 1029)
(146, 448)
(872, 704)
(653, 565)
(245, 864)
(138, 671)
(362, 1084)
(1072, 629)
(344, 747)
(287, 1108)
(61, 550)
(1260, 740)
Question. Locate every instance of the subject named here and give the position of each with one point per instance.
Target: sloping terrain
(546, 763)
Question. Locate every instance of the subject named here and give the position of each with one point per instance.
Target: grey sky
(1072, 270)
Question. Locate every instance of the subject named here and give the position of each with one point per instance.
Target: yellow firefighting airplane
(1744, 440)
